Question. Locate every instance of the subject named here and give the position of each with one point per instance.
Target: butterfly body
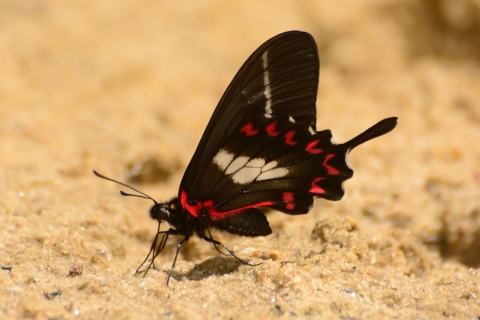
(260, 149)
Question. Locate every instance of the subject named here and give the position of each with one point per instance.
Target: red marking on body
(311, 147)
(289, 138)
(331, 170)
(316, 189)
(249, 130)
(216, 215)
(272, 129)
(288, 198)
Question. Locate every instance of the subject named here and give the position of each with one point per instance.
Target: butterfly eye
(159, 213)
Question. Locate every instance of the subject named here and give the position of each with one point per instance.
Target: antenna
(141, 195)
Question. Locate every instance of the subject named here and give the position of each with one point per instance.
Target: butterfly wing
(285, 170)
(280, 77)
(261, 148)
(279, 163)
(251, 223)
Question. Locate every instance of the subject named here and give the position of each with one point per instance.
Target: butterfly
(261, 148)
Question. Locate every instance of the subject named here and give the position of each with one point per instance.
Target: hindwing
(276, 162)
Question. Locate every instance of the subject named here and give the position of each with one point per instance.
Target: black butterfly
(260, 149)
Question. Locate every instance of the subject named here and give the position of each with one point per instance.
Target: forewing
(279, 78)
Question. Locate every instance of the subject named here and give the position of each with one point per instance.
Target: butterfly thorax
(179, 218)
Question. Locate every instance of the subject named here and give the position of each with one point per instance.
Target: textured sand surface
(127, 88)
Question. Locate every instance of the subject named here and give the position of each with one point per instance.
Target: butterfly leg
(215, 245)
(157, 248)
(176, 255)
(152, 249)
(218, 243)
(155, 251)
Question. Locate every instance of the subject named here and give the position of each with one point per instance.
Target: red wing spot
(316, 189)
(288, 198)
(271, 129)
(216, 215)
(196, 209)
(207, 204)
(249, 130)
(193, 209)
(311, 147)
(331, 170)
(289, 138)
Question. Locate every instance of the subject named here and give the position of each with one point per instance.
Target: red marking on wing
(331, 170)
(289, 138)
(311, 147)
(193, 209)
(196, 209)
(271, 129)
(315, 188)
(249, 130)
(288, 198)
(207, 204)
(216, 215)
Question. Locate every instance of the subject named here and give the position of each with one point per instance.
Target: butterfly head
(160, 212)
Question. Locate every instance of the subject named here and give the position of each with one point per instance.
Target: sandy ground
(127, 88)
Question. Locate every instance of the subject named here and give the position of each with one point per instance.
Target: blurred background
(127, 88)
